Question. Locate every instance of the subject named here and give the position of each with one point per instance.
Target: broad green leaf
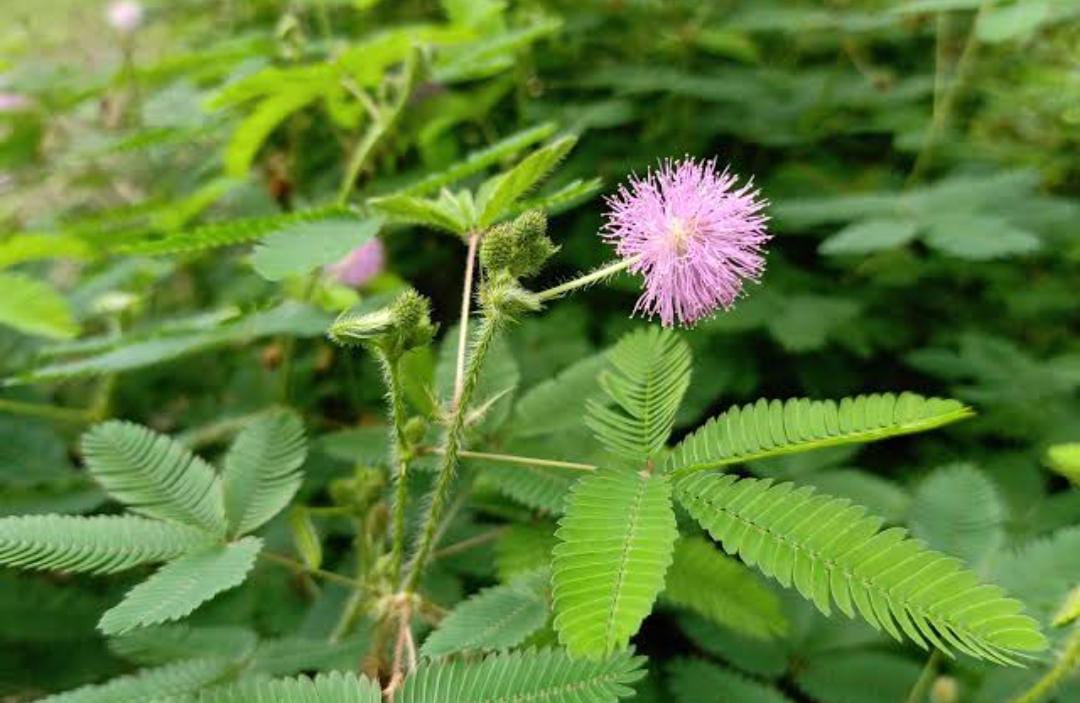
(1065, 460)
(250, 134)
(868, 236)
(858, 677)
(289, 318)
(558, 403)
(979, 237)
(615, 545)
(163, 644)
(300, 248)
(33, 307)
(31, 247)
(698, 681)
(1019, 20)
(703, 579)
(181, 586)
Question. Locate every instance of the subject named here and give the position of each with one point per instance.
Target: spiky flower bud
(519, 248)
(404, 325)
(501, 295)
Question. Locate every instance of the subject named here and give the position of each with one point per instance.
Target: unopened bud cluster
(519, 248)
(404, 325)
(511, 251)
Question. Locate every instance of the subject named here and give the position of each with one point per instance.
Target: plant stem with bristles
(588, 279)
(455, 430)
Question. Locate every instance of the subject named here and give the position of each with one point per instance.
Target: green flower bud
(404, 325)
(359, 491)
(502, 295)
(519, 248)
(415, 429)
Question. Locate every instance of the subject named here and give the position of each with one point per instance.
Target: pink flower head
(360, 265)
(124, 15)
(13, 102)
(695, 235)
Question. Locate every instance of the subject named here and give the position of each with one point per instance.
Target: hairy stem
(455, 429)
(399, 458)
(463, 325)
(588, 279)
(1066, 664)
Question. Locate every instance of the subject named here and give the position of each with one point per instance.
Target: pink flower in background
(360, 265)
(13, 102)
(695, 235)
(124, 15)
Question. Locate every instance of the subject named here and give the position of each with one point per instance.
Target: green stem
(48, 412)
(525, 460)
(463, 325)
(452, 446)
(297, 567)
(588, 279)
(399, 458)
(1066, 664)
(944, 105)
(922, 685)
(387, 116)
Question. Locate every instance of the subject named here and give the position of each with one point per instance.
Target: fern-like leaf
(104, 544)
(615, 544)
(262, 470)
(706, 581)
(494, 619)
(155, 684)
(833, 552)
(154, 475)
(650, 372)
(537, 676)
(477, 161)
(771, 428)
(180, 586)
(227, 233)
(335, 687)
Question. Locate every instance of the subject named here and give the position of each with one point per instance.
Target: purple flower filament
(694, 234)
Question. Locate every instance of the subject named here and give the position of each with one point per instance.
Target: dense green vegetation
(241, 462)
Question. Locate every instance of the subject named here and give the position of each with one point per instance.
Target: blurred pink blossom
(360, 265)
(13, 102)
(124, 16)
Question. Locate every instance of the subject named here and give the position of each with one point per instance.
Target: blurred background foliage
(922, 163)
